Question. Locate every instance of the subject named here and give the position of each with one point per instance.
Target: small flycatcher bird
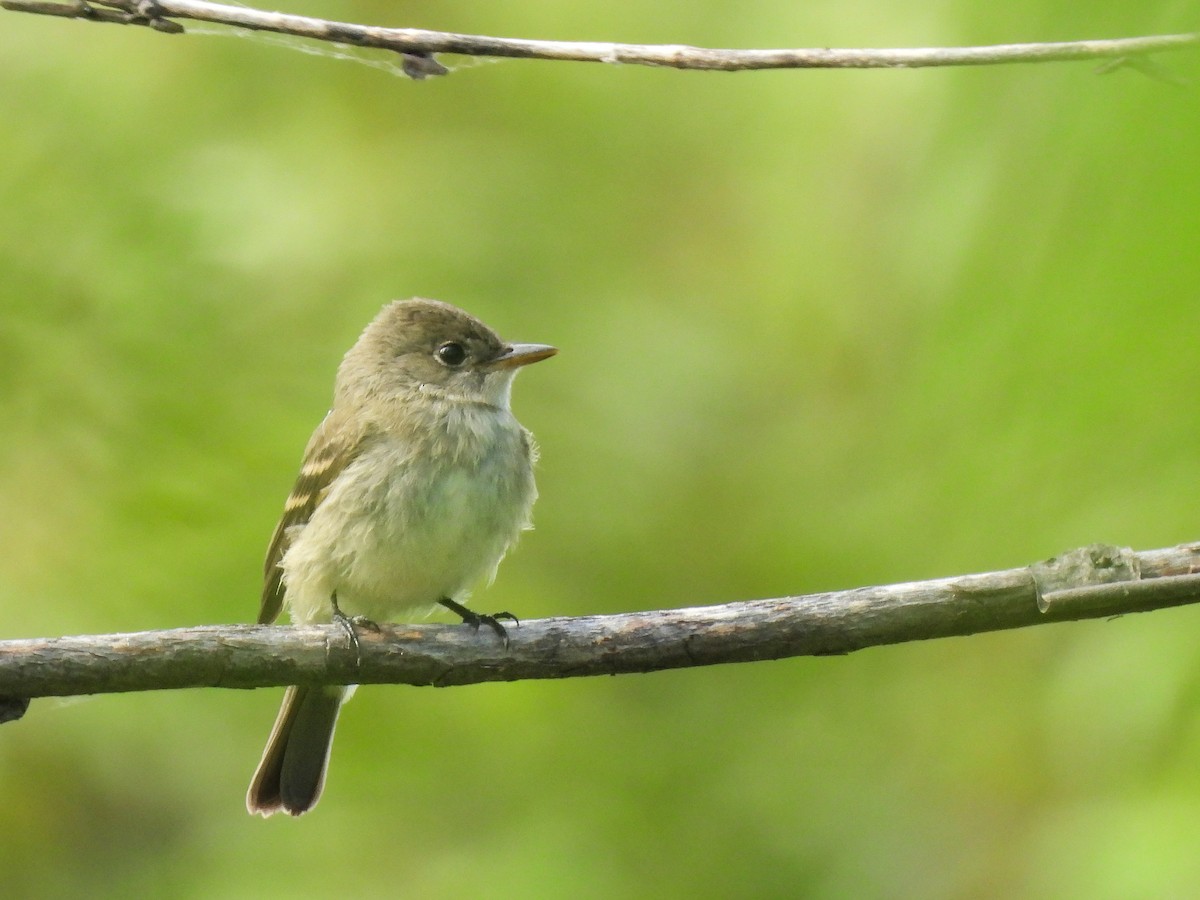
(411, 491)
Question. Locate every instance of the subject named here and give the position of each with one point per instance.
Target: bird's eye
(451, 354)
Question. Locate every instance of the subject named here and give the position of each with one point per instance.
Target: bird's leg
(350, 623)
(475, 619)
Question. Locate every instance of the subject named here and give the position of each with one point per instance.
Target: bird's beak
(515, 355)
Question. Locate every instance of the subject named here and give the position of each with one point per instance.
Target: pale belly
(397, 534)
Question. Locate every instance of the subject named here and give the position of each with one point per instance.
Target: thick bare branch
(417, 44)
(1092, 582)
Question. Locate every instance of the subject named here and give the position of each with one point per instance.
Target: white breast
(406, 525)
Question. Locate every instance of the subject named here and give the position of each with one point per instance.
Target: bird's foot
(351, 624)
(475, 619)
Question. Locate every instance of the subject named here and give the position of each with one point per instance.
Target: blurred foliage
(818, 330)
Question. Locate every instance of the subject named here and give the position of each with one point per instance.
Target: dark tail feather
(292, 771)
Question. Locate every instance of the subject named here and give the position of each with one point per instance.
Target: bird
(411, 490)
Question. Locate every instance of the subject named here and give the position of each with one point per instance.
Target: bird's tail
(291, 775)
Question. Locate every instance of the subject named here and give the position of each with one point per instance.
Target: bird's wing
(333, 446)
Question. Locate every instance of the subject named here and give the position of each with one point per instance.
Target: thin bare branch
(418, 44)
(1095, 581)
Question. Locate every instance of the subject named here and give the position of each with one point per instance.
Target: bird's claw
(351, 624)
(475, 619)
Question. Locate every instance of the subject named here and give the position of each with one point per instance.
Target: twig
(419, 43)
(1096, 581)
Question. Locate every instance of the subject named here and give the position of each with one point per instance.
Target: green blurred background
(818, 329)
